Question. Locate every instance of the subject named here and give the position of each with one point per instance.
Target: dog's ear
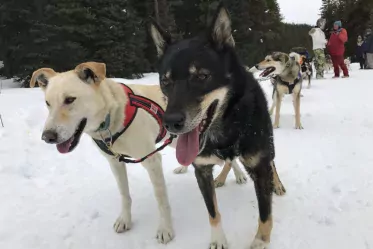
(91, 72)
(161, 38)
(42, 76)
(221, 30)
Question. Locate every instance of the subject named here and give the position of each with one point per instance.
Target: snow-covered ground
(49, 200)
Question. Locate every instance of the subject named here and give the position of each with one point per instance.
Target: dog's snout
(174, 121)
(49, 136)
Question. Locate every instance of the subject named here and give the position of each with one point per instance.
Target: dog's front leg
(259, 168)
(278, 108)
(124, 221)
(203, 173)
(153, 165)
(273, 105)
(296, 103)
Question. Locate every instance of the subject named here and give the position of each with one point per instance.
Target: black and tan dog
(287, 79)
(219, 112)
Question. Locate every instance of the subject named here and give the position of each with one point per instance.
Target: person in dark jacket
(368, 48)
(360, 54)
(336, 47)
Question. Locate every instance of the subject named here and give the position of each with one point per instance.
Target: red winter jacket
(336, 43)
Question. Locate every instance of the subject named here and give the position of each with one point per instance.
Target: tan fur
(279, 188)
(264, 230)
(252, 160)
(208, 160)
(95, 98)
(47, 72)
(99, 69)
(220, 180)
(214, 222)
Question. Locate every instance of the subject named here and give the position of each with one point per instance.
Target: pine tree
(122, 38)
(16, 19)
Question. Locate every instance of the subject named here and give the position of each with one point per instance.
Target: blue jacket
(368, 44)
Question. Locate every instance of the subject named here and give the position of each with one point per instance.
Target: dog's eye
(47, 103)
(69, 100)
(268, 60)
(203, 76)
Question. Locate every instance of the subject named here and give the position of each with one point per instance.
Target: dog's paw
(218, 239)
(258, 244)
(279, 190)
(218, 246)
(276, 126)
(219, 183)
(181, 170)
(299, 127)
(219, 243)
(165, 234)
(122, 224)
(241, 178)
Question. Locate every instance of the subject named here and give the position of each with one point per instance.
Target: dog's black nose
(174, 121)
(257, 66)
(49, 136)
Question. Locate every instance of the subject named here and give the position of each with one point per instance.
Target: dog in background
(287, 79)
(306, 67)
(328, 63)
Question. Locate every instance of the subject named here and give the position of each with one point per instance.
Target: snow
(49, 200)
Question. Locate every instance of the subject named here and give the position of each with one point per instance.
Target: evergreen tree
(16, 19)
(122, 38)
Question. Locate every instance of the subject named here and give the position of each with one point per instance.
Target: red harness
(137, 101)
(130, 110)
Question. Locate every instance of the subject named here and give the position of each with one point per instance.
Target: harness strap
(127, 159)
(153, 109)
(130, 111)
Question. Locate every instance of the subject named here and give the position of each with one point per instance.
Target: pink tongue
(187, 147)
(65, 146)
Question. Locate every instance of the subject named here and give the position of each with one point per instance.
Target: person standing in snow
(319, 41)
(360, 54)
(336, 47)
(368, 48)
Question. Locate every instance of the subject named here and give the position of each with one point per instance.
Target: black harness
(290, 86)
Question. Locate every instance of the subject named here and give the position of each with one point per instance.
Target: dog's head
(194, 77)
(73, 102)
(273, 64)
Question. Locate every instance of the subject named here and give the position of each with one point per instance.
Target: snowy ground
(49, 200)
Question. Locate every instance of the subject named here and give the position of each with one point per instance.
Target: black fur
(244, 127)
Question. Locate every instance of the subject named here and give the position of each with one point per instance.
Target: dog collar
(104, 125)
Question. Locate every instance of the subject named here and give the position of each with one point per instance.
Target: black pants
(362, 62)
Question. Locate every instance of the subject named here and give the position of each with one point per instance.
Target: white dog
(122, 120)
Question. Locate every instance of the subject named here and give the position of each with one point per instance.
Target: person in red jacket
(336, 47)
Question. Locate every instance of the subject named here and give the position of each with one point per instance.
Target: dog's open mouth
(267, 71)
(70, 144)
(187, 147)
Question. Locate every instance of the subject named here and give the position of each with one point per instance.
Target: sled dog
(219, 112)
